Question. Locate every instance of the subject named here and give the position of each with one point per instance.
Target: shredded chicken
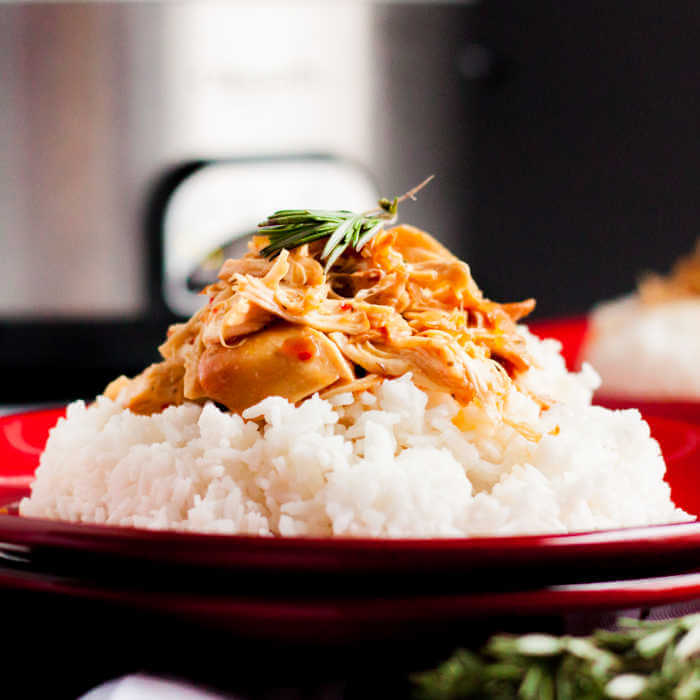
(682, 283)
(284, 327)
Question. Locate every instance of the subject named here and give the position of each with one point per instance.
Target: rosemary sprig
(289, 228)
(642, 660)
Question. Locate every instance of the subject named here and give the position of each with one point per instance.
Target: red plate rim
(343, 619)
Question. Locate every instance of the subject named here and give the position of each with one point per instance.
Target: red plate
(344, 590)
(344, 618)
(69, 549)
(571, 332)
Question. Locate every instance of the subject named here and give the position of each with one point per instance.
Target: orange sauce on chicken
(287, 326)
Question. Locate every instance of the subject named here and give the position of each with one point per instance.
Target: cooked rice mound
(647, 351)
(646, 345)
(392, 461)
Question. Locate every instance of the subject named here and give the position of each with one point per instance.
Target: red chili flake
(215, 309)
(347, 307)
(301, 348)
(211, 299)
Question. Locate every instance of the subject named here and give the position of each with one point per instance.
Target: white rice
(391, 464)
(646, 352)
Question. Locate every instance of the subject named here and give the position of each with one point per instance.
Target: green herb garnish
(289, 228)
(643, 660)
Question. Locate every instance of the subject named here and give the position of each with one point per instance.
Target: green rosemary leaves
(289, 228)
(643, 660)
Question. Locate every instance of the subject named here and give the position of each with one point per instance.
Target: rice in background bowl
(646, 352)
(395, 462)
(646, 345)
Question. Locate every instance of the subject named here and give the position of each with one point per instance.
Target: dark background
(586, 149)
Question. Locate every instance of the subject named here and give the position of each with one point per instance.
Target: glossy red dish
(345, 618)
(69, 549)
(346, 590)
(571, 332)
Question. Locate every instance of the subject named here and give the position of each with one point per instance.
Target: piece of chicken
(682, 283)
(285, 327)
(156, 388)
(283, 360)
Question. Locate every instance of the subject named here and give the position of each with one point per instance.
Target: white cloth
(142, 687)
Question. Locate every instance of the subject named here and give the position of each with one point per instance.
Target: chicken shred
(402, 304)
(682, 283)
